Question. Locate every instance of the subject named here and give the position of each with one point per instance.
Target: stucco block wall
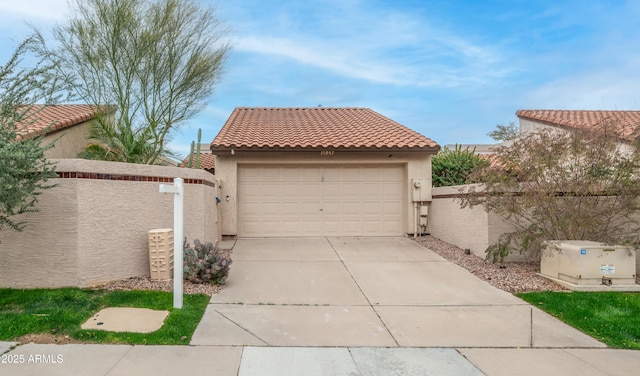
(471, 228)
(92, 230)
(417, 166)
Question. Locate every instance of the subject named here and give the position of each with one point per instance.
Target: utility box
(583, 263)
(161, 254)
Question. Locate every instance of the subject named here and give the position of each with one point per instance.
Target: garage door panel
(249, 173)
(270, 174)
(351, 208)
(290, 174)
(374, 174)
(352, 191)
(250, 191)
(291, 209)
(270, 192)
(311, 174)
(372, 210)
(331, 191)
(314, 200)
(388, 173)
(270, 210)
(392, 190)
(310, 191)
(289, 192)
(334, 174)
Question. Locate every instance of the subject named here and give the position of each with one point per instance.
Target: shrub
(205, 263)
(453, 167)
(581, 184)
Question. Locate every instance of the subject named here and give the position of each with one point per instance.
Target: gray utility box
(582, 262)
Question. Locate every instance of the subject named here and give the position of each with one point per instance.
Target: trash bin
(161, 254)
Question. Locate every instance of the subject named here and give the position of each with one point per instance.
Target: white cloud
(387, 45)
(372, 63)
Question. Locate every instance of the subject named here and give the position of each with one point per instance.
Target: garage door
(304, 200)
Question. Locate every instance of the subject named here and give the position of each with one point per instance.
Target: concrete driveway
(364, 292)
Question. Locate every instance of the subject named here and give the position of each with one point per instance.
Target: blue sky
(449, 69)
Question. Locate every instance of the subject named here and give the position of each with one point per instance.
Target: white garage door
(310, 200)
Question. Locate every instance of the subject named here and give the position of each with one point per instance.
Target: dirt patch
(47, 339)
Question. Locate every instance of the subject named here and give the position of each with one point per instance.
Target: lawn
(611, 317)
(62, 311)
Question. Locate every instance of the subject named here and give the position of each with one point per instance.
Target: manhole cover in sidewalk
(124, 319)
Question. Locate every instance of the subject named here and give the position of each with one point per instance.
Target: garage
(319, 171)
(320, 200)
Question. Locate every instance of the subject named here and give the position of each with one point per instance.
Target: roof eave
(217, 149)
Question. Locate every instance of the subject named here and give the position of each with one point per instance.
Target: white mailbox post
(178, 235)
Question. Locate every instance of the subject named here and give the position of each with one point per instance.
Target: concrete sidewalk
(115, 360)
(348, 306)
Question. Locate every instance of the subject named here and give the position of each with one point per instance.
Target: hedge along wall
(92, 227)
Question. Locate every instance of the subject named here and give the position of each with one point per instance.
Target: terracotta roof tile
(207, 161)
(55, 118)
(629, 121)
(316, 127)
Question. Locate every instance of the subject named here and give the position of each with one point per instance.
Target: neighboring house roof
(207, 161)
(316, 127)
(48, 119)
(627, 120)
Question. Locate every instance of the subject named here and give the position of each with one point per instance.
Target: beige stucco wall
(90, 231)
(417, 166)
(67, 143)
(471, 228)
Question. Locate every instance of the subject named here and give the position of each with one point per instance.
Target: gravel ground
(513, 277)
(145, 283)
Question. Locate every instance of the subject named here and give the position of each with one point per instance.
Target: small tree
(553, 184)
(24, 171)
(453, 167)
(157, 61)
(505, 132)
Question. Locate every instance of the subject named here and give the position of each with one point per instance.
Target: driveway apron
(364, 292)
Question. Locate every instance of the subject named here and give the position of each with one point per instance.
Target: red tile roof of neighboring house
(628, 120)
(316, 127)
(47, 119)
(207, 161)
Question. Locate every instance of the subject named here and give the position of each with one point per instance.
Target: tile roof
(316, 127)
(629, 121)
(207, 161)
(55, 118)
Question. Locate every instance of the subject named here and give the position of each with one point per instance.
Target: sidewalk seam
(119, 360)
(243, 328)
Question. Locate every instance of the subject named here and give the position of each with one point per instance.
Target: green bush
(205, 263)
(453, 167)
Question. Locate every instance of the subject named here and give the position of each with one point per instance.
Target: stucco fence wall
(93, 226)
(471, 228)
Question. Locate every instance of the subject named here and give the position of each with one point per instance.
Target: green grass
(64, 310)
(611, 317)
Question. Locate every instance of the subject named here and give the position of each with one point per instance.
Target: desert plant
(26, 87)
(157, 61)
(205, 263)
